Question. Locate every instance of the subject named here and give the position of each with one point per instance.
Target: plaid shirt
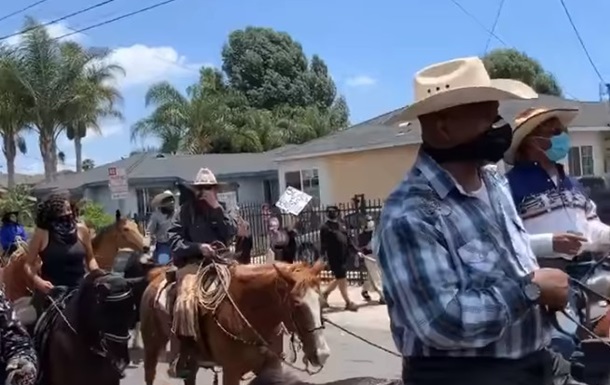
(451, 266)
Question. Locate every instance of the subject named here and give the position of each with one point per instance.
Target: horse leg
(231, 376)
(192, 378)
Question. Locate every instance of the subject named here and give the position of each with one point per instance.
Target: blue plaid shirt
(451, 266)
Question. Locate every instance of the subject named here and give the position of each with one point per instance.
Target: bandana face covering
(64, 229)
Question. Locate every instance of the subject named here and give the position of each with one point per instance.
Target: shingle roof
(150, 166)
(376, 133)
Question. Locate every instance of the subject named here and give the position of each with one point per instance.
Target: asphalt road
(350, 357)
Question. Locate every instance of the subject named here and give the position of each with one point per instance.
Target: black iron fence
(307, 224)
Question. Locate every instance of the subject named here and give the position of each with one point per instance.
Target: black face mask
(490, 146)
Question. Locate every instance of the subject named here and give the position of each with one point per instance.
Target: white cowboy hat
(531, 118)
(160, 197)
(205, 177)
(458, 82)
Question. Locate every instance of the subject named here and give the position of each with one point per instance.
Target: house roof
(378, 133)
(21, 179)
(150, 166)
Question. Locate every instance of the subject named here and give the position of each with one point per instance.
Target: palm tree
(95, 98)
(88, 164)
(14, 109)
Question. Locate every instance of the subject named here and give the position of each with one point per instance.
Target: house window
(580, 160)
(307, 181)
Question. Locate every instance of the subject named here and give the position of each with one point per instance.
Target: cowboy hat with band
(527, 121)
(162, 198)
(458, 82)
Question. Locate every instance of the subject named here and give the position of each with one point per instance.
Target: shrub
(93, 214)
(19, 199)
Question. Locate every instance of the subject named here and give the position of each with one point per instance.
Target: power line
(582, 43)
(493, 27)
(476, 20)
(124, 16)
(94, 6)
(22, 10)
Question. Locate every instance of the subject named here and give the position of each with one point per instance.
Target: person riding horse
(159, 224)
(197, 224)
(63, 246)
(18, 359)
(10, 231)
(549, 201)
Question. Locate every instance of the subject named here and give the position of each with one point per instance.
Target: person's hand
(207, 250)
(554, 288)
(20, 371)
(567, 243)
(210, 197)
(44, 286)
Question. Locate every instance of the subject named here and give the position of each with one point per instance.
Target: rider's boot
(183, 364)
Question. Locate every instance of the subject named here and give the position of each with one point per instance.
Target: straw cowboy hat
(205, 177)
(531, 118)
(160, 197)
(458, 82)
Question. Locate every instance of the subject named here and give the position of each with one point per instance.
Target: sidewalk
(336, 301)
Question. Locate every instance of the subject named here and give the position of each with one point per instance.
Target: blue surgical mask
(560, 146)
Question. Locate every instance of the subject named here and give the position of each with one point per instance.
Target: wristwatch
(530, 289)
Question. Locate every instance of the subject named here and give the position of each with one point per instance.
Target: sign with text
(117, 183)
(293, 201)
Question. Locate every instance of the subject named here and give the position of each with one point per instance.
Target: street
(350, 357)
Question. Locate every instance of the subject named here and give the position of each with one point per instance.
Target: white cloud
(55, 30)
(145, 65)
(360, 81)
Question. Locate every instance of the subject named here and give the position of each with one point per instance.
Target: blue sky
(372, 48)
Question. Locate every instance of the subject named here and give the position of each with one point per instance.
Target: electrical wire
(22, 10)
(476, 20)
(124, 16)
(81, 11)
(582, 43)
(493, 27)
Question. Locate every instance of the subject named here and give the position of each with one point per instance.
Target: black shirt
(335, 241)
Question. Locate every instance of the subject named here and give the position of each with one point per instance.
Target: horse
(122, 233)
(248, 319)
(82, 336)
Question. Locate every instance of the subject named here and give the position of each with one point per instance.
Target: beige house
(371, 158)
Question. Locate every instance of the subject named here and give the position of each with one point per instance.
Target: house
(250, 178)
(371, 158)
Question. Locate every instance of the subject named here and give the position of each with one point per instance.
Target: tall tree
(95, 96)
(14, 112)
(513, 64)
(88, 164)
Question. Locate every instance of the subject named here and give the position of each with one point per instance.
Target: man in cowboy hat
(466, 298)
(551, 202)
(159, 224)
(199, 222)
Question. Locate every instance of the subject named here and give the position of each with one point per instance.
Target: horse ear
(284, 274)
(117, 215)
(318, 267)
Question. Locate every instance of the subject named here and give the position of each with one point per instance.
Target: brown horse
(260, 298)
(123, 233)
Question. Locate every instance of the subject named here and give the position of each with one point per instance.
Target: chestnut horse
(122, 233)
(259, 299)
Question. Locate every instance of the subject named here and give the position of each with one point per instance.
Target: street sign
(117, 183)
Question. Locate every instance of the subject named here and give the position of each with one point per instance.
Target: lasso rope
(214, 294)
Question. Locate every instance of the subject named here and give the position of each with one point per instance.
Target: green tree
(95, 96)
(93, 214)
(513, 64)
(14, 112)
(19, 198)
(88, 164)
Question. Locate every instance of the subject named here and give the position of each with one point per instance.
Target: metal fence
(307, 226)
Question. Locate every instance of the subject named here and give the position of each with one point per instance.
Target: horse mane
(101, 234)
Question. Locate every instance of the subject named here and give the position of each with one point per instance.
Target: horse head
(128, 234)
(105, 310)
(304, 314)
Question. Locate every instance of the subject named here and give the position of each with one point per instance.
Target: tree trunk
(78, 151)
(48, 152)
(10, 153)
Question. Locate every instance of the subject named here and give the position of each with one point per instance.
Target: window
(580, 160)
(307, 181)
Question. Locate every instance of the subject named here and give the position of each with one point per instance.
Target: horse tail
(155, 272)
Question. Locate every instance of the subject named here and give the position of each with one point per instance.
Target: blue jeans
(162, 253)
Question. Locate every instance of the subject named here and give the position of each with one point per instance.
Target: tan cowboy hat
(160, 197)
(458, 82)
(531, 118)
(205, 177)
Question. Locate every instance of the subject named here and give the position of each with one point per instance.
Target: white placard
(293, 201)
(117, 183)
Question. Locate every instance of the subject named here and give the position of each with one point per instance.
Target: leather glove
(20, 371)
